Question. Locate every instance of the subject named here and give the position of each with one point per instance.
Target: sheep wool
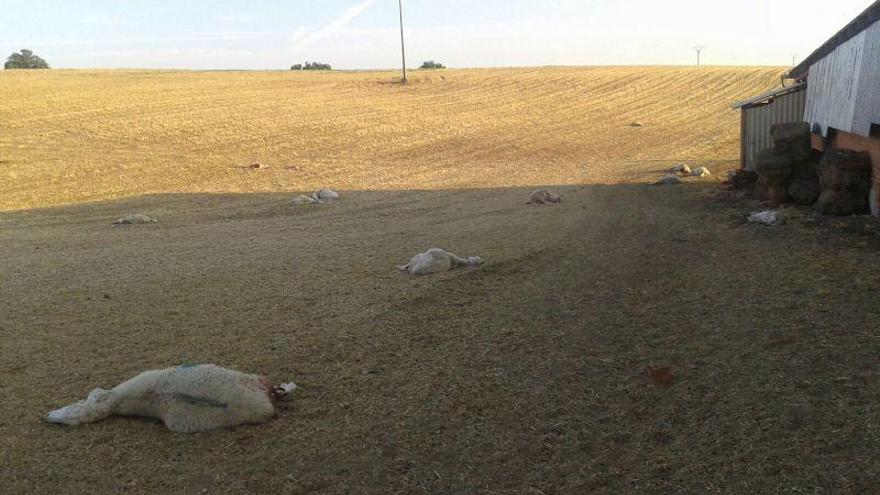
(188, 398)
(325, 195)
(436, 261)
(543, 197)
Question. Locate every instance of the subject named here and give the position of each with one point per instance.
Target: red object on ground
(661, 376)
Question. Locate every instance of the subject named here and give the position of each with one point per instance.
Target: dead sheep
(437, 261)
(303, 200)
(543, 197)
(134, 219)
(668, 180)
(769, 218)
(701, 172)
(681, 169)
(188, 399)
(316, 198)
(325, 195)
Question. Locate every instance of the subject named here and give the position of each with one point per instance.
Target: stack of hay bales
(788, 173)
(845, 177)
(774, 169)
(803, 183)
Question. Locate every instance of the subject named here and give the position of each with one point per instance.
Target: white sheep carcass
(325, 195)
(316, 198)
(682, 169)
(436, 261)
(189, 398)
(769, 217)
(668, 180)
(134, 219)
(701, 172)
(303, 200)
(543, 197)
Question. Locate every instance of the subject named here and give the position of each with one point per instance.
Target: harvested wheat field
(525, 375)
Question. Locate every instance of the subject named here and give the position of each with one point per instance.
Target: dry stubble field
(524, 376)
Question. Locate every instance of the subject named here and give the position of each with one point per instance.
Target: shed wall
(842, 91)
(867, 109)
(757, 121)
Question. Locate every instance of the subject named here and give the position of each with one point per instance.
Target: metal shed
(844, 78)
(843, 99)
(759, 114)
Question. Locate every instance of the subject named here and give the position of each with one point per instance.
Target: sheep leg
(99, 404)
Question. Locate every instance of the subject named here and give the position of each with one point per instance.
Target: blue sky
(350, 34)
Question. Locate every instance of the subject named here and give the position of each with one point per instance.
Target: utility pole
(402, 46)
(699, 49)
(794, 59)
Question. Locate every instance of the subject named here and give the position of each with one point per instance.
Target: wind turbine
(699, 49)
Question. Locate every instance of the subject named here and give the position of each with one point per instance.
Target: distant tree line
(25, 59)
(311, 66)
(430, 64)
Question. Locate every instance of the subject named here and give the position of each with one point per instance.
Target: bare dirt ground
(526, 375)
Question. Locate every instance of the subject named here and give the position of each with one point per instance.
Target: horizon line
(397, 69)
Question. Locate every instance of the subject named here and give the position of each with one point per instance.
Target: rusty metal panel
(757, 121)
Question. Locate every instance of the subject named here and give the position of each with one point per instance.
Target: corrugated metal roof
(769, 95)
(859, 24)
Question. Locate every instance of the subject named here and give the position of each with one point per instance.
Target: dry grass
(527, 375)
(76, 136)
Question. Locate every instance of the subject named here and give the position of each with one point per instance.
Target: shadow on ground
(524, 376)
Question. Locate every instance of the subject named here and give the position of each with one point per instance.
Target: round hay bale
(845, 181)
(792, 139)
(773, 166)
(803, 186)
(774, 169)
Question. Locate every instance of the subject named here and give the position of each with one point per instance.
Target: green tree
(311, 66)
(25, 59)
(317, 66)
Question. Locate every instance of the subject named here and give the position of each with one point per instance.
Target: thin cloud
(102, 20)
(193, 37)
(236, 18)
(168, 51)
(302, 38)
